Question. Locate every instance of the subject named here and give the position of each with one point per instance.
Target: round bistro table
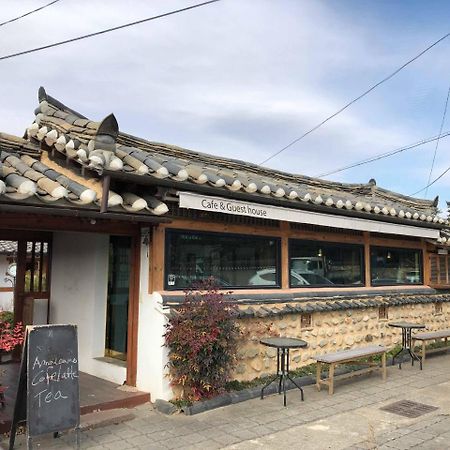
(283, 345)
(407, 346)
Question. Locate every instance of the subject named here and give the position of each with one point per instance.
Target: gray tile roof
(101, 148)
(25, 176)
(276, 307)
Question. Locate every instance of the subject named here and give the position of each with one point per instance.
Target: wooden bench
(345, 357)
(431, 336)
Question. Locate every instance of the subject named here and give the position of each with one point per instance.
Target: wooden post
(284, 257)
(156, 265)
(383, 366)
(133, 310)
(367, 276)
(426, 263)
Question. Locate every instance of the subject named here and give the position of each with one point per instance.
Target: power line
(386, 154)
(29, 12)
(434, 181)
(356, 99)
(108, 30)
(437, 142)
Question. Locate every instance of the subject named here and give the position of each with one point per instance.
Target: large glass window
(233, 260)
(314, 263)
(395, 266)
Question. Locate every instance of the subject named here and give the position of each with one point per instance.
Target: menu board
(48, 389)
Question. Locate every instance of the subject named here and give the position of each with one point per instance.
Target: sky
(244, 78)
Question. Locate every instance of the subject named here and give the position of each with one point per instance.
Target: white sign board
(242, 208)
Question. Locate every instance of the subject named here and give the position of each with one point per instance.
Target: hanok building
(110, 230)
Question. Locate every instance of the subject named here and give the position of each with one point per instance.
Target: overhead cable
(437, 142)
(108, 30)
(29, 12)
(385, 155)
(355, 99)
(434, 181)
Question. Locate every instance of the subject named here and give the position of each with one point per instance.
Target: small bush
(202, 339)
(7, 316)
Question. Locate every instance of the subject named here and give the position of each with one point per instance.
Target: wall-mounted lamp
(388, 256)
(319, 253)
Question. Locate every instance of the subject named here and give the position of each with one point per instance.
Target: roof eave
(260, 198)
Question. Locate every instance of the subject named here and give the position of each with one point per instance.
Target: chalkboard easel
(48, 393)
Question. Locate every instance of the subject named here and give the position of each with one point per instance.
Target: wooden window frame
(284, 232)
(360, 247)
(173, 231)
(421, 266)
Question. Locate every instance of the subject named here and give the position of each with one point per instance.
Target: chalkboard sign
(48, 396)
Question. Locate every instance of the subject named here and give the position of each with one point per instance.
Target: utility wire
(437, 142)
(386, 154)
(29, 12)
(356, 99)
(434, 181)
(108, 30)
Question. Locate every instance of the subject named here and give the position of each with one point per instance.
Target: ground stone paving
(351, 419)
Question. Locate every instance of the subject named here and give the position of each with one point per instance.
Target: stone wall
(330, 331)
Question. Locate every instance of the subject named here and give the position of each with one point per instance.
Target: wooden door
(32, 289)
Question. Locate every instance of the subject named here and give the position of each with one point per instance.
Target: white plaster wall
(152, 355)
(79, 280)
(6, 298)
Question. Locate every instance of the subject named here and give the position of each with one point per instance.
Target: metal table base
(282, 375)
(407, 346)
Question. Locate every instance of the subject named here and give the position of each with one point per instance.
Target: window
(391, 266)
(315, 263)
(234, 261)
(383, 312)
(306, 320)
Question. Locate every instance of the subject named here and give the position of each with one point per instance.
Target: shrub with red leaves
(202, 339)
(10, 336)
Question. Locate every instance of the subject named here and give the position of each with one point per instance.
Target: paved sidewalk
(351, 419)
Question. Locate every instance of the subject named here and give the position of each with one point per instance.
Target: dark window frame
(173, 231)
(360, 247)
(421, 264)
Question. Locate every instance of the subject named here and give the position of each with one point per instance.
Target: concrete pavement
(351, 419)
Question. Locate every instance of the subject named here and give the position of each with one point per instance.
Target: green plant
(7, 316)
(202, 339)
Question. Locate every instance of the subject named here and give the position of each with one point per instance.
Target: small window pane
(395, 266)
(315, 263)
(232, 260)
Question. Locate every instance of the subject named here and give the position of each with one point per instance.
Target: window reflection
(325, 264)
(395, 266)
(232, 260)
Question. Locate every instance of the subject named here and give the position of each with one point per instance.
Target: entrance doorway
(116, 342)
(25, 276)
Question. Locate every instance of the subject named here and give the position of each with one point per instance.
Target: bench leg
(383, 366)
(331, 379)
(318, 373)
(423, 352)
